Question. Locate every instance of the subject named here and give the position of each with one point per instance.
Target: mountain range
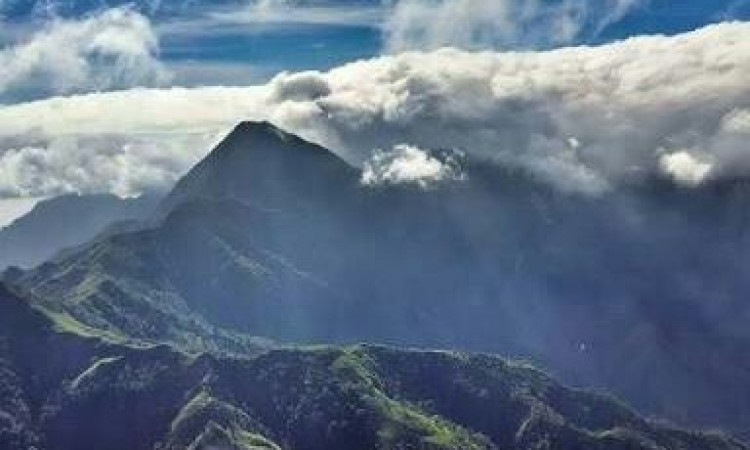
(67, 391)
(59, 223)
(273, 240)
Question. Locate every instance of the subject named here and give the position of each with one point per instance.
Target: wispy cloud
(430, 24)
(219, 73)
(263, 15)
(286, 12)
(736, 9)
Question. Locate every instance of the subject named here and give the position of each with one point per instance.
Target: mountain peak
(249, 126)
(260, 129)
(263, 164)
(252, 137)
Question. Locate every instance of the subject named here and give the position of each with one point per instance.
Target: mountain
(66, 221)
(639, 291)
(63, 390)
(267, 167)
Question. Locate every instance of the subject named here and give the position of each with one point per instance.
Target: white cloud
(114, 49)
(734, 10)
(123, 165)
(406, 164)
(261, 16)
(13, 208)
(296, 12)
(431, 24)
(584, 119)
(738, 121)
(614, 11)
(685, 168)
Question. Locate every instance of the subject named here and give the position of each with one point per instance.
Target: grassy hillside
(61, 390)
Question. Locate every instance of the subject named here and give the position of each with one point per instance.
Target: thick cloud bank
(584, 119)
(114, 49)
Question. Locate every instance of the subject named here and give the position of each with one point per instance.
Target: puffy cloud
(430, 24)
(409, 164)
(123, 165)
(584, 119)
(114, 49)
(685, 168)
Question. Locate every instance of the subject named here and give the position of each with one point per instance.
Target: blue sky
(227, 42)
(677, 16)
(259, 51)
(264, 48)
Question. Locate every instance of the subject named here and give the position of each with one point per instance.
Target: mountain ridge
(66, 221)
(254, 245)
(65, 391)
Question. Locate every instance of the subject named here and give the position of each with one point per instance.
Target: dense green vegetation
(62, 390)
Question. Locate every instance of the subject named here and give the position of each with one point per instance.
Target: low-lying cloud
(685, 168)
(584, 119)
(112, 50)
(406, 164)
(125, 165)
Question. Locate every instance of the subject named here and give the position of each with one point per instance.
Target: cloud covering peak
(406, 164)
(585, 119)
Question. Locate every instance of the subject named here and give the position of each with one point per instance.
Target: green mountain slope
(65, 391)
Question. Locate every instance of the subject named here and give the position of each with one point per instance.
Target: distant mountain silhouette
(66, 221)
(639, 291)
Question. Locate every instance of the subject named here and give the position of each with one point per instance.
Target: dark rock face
(639, 291)
(62, 390)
